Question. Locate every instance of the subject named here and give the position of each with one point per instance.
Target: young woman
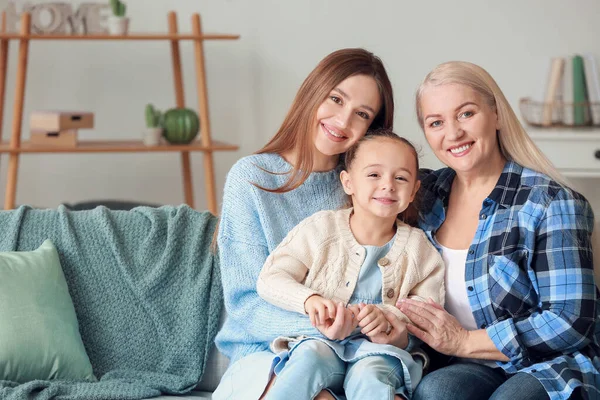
(522, 308)
(267, 194)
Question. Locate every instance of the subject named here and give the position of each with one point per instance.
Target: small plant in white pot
(118, 23)
(154, 130)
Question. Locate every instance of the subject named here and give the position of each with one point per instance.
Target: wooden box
(65, 138)
(54, 121)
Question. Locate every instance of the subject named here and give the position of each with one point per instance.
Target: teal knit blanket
(146, 289)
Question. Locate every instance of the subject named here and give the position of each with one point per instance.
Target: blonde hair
(515, 143)
(295, 131)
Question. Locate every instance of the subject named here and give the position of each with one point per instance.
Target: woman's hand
(396, 335)
(342, 325)
(435, 326)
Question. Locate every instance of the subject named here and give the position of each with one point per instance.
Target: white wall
(253, 80)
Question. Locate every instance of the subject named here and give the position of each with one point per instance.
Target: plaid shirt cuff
(506, 339)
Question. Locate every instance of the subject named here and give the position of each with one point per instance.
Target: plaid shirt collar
(504, 192)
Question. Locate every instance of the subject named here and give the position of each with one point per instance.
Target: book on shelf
(571, 92)
(553, 97)
(567, 92)
(581, 113)
(592, 80)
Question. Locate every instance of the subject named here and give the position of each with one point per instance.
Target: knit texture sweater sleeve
(252, 224)
(430, 267)
(243, 251)
(281, 280)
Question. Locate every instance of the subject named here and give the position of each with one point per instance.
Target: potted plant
(154, 130)
(181, 125)
(118, 23)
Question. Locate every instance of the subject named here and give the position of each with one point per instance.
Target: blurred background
(252, 81)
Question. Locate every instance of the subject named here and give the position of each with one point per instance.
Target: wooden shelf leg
(186, 170)
(3, 70)
(15, 138)
(205, 135)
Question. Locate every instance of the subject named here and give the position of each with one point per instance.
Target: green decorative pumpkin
(181, 125)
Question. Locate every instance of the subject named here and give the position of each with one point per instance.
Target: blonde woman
(521, 317)
(292, 177)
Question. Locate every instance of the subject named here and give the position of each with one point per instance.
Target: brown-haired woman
(270, 192)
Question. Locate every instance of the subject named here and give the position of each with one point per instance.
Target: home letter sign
(59, 18)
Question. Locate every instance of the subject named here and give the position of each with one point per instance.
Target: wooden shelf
(117, 146)
(204, 142)
(130, 36)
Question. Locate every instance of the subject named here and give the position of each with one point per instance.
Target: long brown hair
(294, 133)
(409, 216)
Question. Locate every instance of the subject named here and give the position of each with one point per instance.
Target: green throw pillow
(39, 333)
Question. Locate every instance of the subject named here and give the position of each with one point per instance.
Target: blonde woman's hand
(435, 326)
(342, 325)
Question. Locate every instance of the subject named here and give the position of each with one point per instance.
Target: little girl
(366, 257)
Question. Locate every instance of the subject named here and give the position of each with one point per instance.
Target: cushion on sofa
(39, 332)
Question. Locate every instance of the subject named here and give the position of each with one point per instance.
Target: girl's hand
(397, 334)
(319, 309)
(371, 320)
(435, 326)
(342, 325)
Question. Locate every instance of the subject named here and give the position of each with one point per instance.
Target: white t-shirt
(457, 301)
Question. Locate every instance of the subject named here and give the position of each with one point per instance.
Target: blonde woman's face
(346, 114)
(460, 127)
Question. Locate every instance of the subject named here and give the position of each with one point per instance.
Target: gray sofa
(146, 301)
(74, 232)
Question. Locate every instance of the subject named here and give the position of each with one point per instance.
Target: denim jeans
(314, 366)
(471, 381)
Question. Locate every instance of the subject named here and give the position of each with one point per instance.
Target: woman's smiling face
(459, 126)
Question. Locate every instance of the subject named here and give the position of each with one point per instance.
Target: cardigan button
(390, 293)
(384, 262)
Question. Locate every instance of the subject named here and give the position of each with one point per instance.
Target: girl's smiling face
(382, 178)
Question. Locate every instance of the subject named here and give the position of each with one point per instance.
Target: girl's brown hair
(295, 131)
(409, 216)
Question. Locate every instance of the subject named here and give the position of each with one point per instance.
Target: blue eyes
(465, 114)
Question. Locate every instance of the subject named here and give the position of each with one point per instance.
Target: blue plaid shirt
(529, 276)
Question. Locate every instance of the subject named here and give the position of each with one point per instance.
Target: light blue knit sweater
(253, 223)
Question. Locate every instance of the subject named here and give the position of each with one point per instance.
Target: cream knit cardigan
(321, 256)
